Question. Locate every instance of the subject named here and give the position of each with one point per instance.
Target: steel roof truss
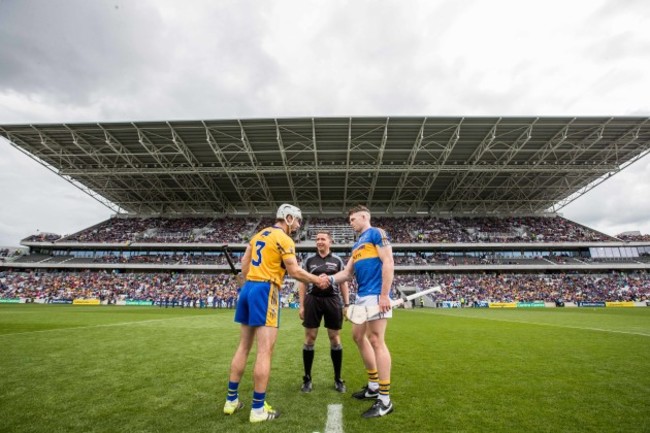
(588, 143)
(347, 168)
(433, 175)
(318, 194)
(225, 163)
(505, 159)
(403, 179)
(474, 159)
(63, 155)
(262, 186)
(285, 162)
(223, 205)
(379, 160)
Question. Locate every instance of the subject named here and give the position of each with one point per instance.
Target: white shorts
(373, 300)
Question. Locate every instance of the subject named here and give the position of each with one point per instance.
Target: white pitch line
(334, 418)
(553, 325)
(72, 328)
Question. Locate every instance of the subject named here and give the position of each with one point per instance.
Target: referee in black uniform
(317, 303)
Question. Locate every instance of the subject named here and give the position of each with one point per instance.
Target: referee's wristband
(346, 305)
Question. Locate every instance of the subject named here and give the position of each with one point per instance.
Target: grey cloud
(71, 50)
(383, 57)
(622, 48)
(132, 62)
(36, 199)
(619, 39)
(612, 8)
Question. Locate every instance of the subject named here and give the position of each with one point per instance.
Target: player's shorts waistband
(332, 295)
(263, 281)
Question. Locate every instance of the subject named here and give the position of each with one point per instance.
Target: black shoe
(306, 384)
(366, 393)
(339, 385)
(378, 409)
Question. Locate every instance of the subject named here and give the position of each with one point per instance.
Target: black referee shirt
(330, 264)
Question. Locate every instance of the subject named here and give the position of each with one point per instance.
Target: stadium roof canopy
(395, 165)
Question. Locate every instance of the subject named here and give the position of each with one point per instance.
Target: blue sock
(258, 399)
(232, 391)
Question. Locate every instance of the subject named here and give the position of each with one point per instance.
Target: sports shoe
(268, 414)
(366, 393)
(339, 385)
(306, 384)
(232, 406)
(378, 409)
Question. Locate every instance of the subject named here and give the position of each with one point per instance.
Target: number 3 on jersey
(257, 260)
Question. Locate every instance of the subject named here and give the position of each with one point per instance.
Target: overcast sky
(88, 61)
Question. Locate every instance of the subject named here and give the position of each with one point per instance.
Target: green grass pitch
(145, 369)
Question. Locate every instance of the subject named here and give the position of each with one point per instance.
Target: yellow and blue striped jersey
(367, 264)
(268, 249)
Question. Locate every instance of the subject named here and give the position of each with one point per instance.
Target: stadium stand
(403, 230)
(634, 238)
(470, 203)
(469, 289)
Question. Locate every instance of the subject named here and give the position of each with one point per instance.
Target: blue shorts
(258, 305)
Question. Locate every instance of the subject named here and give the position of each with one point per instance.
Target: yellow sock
(384, 391)
(373, 377)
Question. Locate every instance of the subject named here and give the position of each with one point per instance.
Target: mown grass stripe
(106, 325)
(555, 325)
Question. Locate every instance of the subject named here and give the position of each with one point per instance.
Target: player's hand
(240, 279)
(345, 314)
(301, 312)
(323, 281)
(384, 303)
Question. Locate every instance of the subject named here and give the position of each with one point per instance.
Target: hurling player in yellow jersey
(372, 265)
(270, 254)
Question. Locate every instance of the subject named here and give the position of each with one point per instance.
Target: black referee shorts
(317, 307)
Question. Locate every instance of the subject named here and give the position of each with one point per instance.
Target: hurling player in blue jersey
(372, 265)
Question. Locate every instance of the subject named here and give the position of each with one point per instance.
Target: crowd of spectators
(401, 230)
(469, 289)
(42, 237)
(161, 288)
(634, 238)
(163, 259)
(425, 259)
(487, 229)
(165, 230)
(203, 289)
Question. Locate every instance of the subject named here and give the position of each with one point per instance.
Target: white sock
(384, 399)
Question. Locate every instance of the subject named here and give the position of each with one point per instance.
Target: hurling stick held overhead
(359, 314)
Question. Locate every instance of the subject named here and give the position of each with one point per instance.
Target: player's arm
(344, 289)
(297, 272)
(345, 293)
(387, 274)
(246, 262)
(345, 274)
(302, 289)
